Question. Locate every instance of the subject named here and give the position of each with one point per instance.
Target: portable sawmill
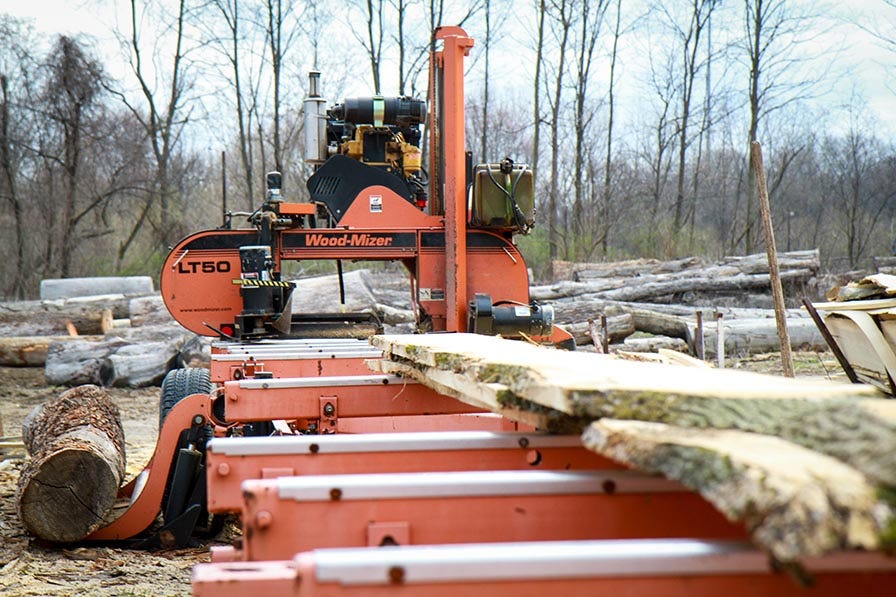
(451, 226)
(350, 482)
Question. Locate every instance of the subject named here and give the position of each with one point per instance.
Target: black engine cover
(340, 179)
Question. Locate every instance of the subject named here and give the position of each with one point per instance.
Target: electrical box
(494, 194)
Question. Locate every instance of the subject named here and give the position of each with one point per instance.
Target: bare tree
(591, 20)
(606, 194)
(536, 101)
(16, 64)
(688, 33)
(372, 42)
(165, 113)
(561, 23)
(858, 184)
(485, 82)
(774, 32)
(73, 84)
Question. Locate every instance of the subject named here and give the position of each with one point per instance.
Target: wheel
(180, 383)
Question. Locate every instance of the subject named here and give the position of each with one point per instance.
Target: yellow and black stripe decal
(251, 282)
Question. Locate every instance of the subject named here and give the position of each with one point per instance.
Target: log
(65, 288)
(618, 327)
(710, 281)
(132, 357)
(30, 351)
(654, 344)
(652, 281)
(841, 420)
(756, 336)
(51, 318)
(77, 449)
(794, 502)
(748, 264)
(148, 310)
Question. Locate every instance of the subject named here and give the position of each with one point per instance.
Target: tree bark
(31, 351)
(794, 502)
(132, 358)
(848, 422)
(77, 449)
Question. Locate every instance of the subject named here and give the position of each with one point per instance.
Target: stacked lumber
(808, 466)
(860, 322)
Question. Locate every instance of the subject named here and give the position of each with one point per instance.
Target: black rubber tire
(180, 383)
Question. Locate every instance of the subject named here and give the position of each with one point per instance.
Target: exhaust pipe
(315, 122)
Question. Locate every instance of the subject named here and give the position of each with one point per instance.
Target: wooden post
(774, 275)
(699, 346)
(720, 340)
(77, 464)
(595, 331)
(604, 334)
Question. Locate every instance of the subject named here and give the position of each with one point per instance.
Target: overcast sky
(869, 66)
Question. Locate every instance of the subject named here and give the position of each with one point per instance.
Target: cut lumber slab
(492, 396)
(795, 502)
(837, 419)
(77, 448)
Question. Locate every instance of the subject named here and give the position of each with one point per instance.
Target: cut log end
(76, 443)
(66, 495)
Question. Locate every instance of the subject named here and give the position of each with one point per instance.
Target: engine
(365, 141)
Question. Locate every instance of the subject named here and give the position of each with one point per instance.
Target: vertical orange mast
(449, 144)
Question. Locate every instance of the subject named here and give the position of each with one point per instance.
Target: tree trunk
(77, 449)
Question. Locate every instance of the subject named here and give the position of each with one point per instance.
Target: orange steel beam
(286, 515)
(456, 45)
(234, 460)
(146, 490)
(672, 568)
(349, 396)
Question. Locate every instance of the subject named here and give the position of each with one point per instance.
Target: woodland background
(636, 117)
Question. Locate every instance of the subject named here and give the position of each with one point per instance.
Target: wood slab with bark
(77, 448)
(841, 420)
(794, 501)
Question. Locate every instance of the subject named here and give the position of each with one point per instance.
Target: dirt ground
(28, 567)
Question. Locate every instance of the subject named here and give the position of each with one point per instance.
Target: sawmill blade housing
(450, 223)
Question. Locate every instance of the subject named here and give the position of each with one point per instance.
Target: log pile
(809, 467)
(77, 448)
(119, 339)
(647, 289)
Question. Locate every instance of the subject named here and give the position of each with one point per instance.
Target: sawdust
(30, 567)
